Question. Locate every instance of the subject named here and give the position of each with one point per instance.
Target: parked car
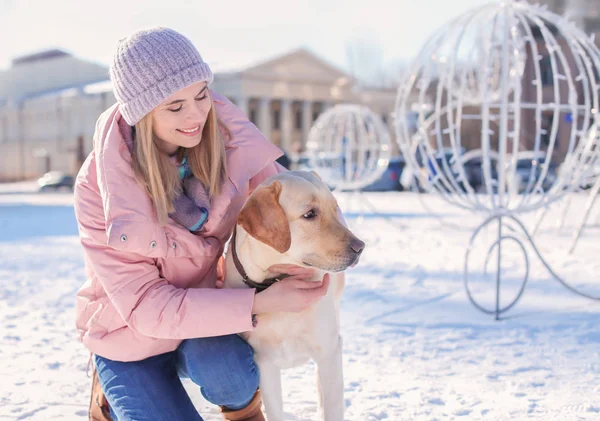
(524, 169)
(476, 177)
(56, 180)
(593, 172)
(333, 166)
(428, 170)
(303, 162)
(390, 179)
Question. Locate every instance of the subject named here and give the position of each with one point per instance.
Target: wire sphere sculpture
(585, 174)
(519, 77)
(588, 176)
(516, 86)
(349, 147)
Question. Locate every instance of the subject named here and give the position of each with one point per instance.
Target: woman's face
(180, 119)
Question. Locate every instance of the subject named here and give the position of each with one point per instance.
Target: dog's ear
(264, 219)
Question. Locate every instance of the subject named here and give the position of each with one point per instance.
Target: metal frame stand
(502, 220)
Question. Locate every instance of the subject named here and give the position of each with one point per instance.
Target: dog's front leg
(270, 390)
(330, 383)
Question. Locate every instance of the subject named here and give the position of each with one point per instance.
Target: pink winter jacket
(150, 286)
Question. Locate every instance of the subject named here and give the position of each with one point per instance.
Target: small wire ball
(349, 147)
(515, 84)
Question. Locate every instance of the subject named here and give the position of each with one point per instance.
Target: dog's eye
(310, 214)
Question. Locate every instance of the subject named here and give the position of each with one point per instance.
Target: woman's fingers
(290, 295)
(292, 270)
(319, 289)
(301, 283)
(324, 284)
(301, 277)
(306, 284)
(282, 266)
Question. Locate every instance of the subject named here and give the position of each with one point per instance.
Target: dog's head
(296, 215)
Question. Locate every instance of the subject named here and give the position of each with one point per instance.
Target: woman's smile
(190, 132)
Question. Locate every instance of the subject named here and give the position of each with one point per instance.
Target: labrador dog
(292, 218)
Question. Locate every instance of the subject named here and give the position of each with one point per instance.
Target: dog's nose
(357, 246)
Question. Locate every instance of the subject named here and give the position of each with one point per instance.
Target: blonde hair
(156, 172)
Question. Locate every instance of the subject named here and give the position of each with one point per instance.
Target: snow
(415, 348)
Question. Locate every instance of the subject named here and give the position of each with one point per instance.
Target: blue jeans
(151, 389)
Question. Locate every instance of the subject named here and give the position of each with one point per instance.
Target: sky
(230, 34)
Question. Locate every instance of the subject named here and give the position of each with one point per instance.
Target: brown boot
(99, 409)
(252, 411)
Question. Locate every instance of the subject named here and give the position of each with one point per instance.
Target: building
(44, 109)
(284, 96)
(586, 15)
(47, 71)
(49, 124)
(49, 101)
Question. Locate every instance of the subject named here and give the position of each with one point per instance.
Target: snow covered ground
(414, 346)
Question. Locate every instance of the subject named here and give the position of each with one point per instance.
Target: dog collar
(260, 286)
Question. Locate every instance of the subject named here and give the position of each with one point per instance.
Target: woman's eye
(176, 109)
(310, 214)
(202, 97)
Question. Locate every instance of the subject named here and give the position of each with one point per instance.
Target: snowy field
(414, 346)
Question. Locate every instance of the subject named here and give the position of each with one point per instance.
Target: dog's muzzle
(356, 247)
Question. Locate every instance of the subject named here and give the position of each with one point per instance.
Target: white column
(264, 117)
(306, 119)
(4, 127)
(21, 127)
(285, 116)
(242, 103)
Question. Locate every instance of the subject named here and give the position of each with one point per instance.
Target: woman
(172, 164)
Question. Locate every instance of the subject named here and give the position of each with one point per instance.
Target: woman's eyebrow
(177, 101)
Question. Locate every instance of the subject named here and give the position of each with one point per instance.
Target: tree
(366, 63)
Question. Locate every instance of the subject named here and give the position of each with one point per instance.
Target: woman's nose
(197, 113)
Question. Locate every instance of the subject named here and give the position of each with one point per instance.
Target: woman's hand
(293, 294)
(295, 272)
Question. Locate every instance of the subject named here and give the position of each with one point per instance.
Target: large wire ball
(512, 81)
(349, 147)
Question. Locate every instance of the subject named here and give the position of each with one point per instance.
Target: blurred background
(282, 63)
(415, 348)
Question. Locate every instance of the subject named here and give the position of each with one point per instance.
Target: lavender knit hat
(149, 66)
